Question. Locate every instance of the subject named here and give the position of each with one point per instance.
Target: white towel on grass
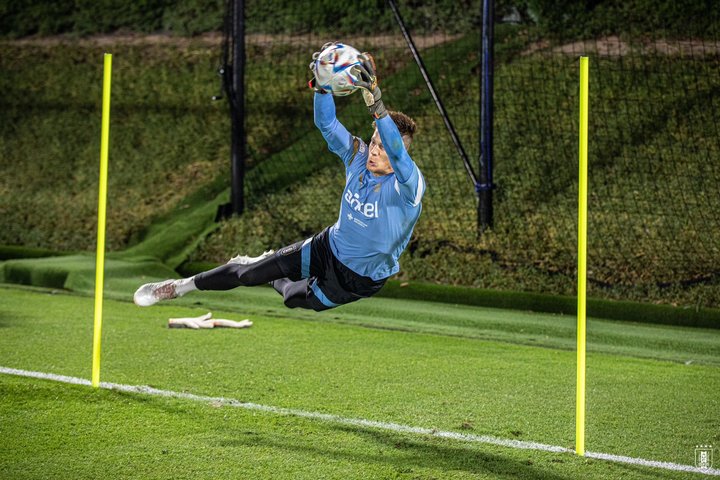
(206, 321)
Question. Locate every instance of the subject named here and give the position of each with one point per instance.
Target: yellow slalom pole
(102, 203)
(582, 260)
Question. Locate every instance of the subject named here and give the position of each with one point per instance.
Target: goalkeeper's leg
(225, 277)
(295, 294)
(232, 275)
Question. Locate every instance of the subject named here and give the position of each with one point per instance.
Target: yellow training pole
(582, 260)
(102, 202)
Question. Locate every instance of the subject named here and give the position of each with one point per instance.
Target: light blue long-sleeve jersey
(377, 214)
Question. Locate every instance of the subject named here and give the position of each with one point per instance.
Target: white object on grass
(206, 321)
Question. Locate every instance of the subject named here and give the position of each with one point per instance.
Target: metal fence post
(485, 185)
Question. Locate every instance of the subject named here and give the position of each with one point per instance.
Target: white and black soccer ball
(334, 69)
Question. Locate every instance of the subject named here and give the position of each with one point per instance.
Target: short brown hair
(405, 125)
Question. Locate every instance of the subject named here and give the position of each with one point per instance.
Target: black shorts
(329, 281)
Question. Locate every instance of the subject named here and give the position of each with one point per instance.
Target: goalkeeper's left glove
(367, 81)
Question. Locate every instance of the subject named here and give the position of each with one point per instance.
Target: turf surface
(436, 366)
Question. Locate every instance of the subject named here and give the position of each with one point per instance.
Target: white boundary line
(359, 422)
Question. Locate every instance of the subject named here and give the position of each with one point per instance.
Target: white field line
(359, 422)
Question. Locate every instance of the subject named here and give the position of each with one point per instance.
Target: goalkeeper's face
(378, 162)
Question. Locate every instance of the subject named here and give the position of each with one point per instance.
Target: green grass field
(652, 390)
(399, 386)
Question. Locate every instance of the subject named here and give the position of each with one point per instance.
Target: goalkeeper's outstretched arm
(410, 182)
(339, 140)
(392, 141)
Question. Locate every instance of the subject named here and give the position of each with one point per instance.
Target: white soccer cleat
(247, 260)
(151, 293)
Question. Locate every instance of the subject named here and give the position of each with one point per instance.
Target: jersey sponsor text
(370, 210)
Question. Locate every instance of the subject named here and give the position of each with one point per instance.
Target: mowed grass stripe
(358, 422)
(69, 431)
(636, 407)
(660, 342)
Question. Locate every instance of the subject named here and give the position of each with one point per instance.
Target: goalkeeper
(353, 258)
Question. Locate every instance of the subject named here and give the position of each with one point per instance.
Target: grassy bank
(166, 140)
(649, 213)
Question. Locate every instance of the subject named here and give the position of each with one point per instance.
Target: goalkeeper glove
(367, 81)
(313, 65)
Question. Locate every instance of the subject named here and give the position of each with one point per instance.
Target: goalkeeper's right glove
(313, 65)
(367, 81)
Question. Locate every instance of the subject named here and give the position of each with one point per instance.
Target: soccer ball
(334, 69)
